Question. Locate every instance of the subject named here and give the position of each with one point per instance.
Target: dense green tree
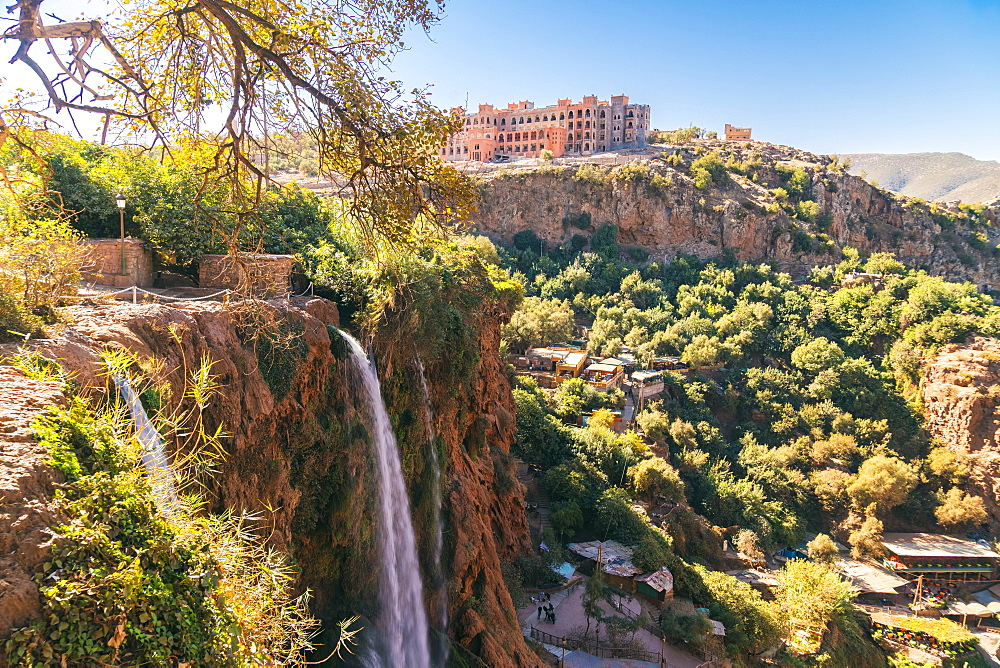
(539, 322)
(958, 509)
(882, 481)
(654, 478)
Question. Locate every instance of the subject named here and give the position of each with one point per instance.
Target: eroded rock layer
(297, 455)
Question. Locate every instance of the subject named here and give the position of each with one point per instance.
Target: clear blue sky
(845, 76)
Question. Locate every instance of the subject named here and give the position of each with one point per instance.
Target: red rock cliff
(961, 396)
(297, 454)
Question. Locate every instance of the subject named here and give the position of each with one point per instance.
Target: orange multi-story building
(737, 134)
(566, 128)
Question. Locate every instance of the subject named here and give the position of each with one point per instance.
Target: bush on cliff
(138, 578)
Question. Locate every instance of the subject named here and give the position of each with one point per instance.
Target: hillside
(944, 177)
(757, 202)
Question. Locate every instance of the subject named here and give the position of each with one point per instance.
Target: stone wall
(103, 263)
(262, 275)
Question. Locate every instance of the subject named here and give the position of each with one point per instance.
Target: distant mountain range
(932, 176)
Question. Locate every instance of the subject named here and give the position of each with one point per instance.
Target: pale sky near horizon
(883, 76)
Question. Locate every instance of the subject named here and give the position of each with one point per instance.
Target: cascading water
(402, 621)
(436, 504)
(154, 452)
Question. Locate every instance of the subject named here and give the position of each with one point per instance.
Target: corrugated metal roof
(661, 580)
(929, 545)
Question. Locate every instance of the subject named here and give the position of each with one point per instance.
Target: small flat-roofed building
(737, 134)
(658, 585)
(646, 384)
(875, 585)
(668, 363)
(616, 560)
(571, 366)
(938, 557)
(762, 580)
(605, 375)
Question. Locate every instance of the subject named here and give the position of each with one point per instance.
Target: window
(521, 121)
(570, 137)
(586, 147)
(536, 119)
(587, 124)
(630, 124)
(477, 147)
(586, 135)
(562, 117)
(571, 114)
(602, 113)
(501, 139)
(533, 148)
(541, 146)
(529, 119)
(503, 121)
(602, 126)
(545, 118)
(587, 114)
(465, 149)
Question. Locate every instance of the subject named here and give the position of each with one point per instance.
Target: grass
(944, 630)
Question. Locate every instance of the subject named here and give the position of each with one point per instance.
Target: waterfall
(154, 451)
(436, 474)
(401, 621)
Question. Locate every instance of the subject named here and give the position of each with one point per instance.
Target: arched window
(545, 118)
(587, 124)
(586, 147)
(587, 114)
(571, 114)
(517, 136)
(570, 137)
(630, 123)
(586, 135)
(529, 119)
(521, 121)
(503, 121)
(602, 113)
(562, 117)
(536, 119)
(501, 139)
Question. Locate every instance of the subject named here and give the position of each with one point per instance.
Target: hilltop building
(566, 128)
(737, 134)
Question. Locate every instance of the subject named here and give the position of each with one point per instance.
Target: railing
(594, 648)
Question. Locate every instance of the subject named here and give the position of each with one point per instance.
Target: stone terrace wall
(262, 274)
(103, 264)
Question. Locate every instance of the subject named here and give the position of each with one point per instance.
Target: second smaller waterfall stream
(436, 499)
(154, 451)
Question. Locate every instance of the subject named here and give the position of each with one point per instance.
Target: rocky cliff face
(297, 453)
(961, 396)
(738, 213)
(27, 514)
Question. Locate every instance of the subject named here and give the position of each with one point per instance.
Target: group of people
(546, 606)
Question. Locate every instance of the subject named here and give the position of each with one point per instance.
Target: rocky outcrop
(297, 456)
(28, 516)
(738, 214)
(961, 396)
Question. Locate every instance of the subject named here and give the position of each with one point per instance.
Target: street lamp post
(120, 202)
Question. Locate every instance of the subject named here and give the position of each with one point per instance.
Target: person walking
(539, 612)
